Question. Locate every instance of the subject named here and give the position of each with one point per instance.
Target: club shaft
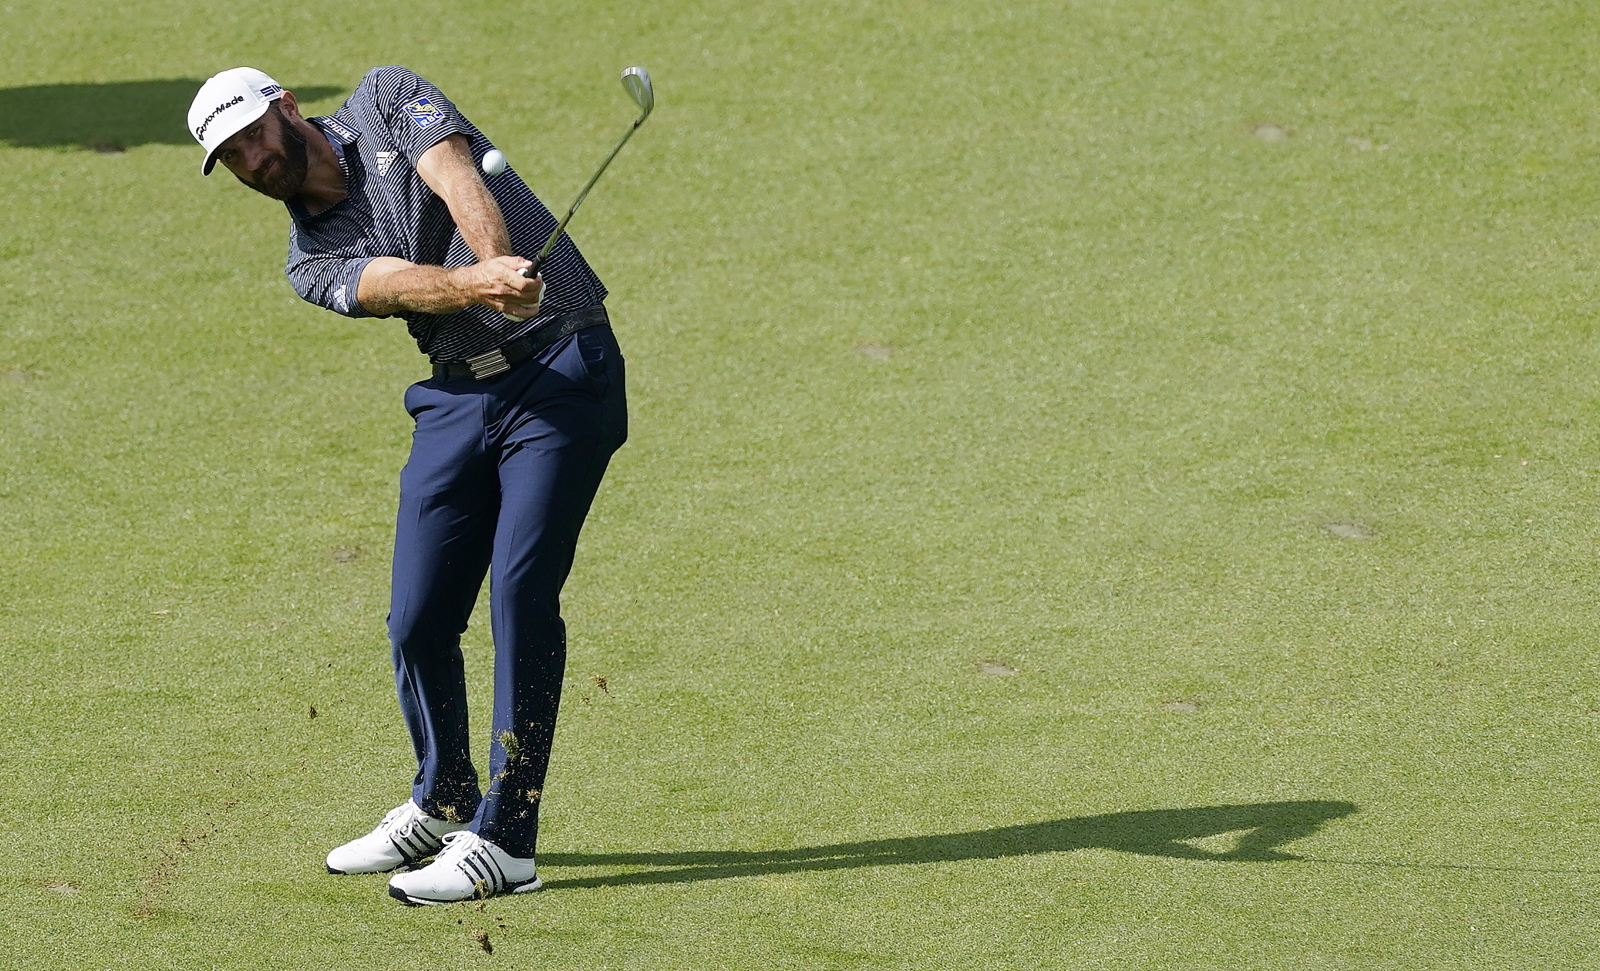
(550, 244)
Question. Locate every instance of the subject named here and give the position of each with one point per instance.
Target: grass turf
(1110, 487)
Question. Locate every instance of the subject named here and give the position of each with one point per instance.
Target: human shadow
(106, 117)
(1262, 828)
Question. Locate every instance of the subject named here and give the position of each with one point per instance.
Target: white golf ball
(494, 162)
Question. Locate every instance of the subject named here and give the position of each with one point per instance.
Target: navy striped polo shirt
(379, 133)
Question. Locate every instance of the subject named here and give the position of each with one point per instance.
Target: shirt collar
(337, 131)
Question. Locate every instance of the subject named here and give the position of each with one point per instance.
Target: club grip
(528, 273)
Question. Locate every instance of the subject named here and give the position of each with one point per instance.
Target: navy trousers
(500, 478)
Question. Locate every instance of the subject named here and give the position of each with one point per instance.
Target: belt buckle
(488, 364)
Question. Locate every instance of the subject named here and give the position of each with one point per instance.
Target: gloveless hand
(499, 283)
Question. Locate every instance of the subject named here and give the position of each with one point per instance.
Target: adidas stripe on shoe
(405, 836)
(470, 867)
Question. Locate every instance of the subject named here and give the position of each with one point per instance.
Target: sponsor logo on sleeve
(341, 299)
(423, 112)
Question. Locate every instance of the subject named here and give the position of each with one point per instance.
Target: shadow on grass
(106, 117)
(1263, 827)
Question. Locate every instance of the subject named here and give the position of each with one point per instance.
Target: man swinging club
(389, 217)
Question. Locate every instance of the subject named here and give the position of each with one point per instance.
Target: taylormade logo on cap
(200, 132)
(226, 104)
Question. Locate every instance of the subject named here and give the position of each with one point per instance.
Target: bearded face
(282, 173)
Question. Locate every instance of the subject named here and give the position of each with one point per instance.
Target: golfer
(390, 217)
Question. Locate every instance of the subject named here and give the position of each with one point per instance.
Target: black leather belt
(493, 363)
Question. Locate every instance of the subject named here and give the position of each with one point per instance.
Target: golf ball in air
(494, 162)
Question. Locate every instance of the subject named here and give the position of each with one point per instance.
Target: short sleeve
(415, 114)
(327, 280)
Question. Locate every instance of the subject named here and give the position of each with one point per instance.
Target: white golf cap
(227, 103)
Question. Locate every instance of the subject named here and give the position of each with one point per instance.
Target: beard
(281, 176)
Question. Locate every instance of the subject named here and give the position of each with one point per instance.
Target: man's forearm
(478, 217)
(448, 170)
(384, 291)
(390, 285)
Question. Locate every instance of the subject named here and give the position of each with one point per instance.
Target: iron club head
(637, 81)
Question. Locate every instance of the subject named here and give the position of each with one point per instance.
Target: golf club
(637, 82)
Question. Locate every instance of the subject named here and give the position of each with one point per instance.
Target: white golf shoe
(406, 835)
(470, 867)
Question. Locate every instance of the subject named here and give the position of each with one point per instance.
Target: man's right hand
(499, 283)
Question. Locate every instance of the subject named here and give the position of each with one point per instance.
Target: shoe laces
(402, 820)
(458, 846)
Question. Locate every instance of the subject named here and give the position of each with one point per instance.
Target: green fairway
(1112, 485)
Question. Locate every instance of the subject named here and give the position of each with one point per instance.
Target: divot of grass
(345, 554)
(16, 374)
(164, 868)
(1359, 531)
(508, 741)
